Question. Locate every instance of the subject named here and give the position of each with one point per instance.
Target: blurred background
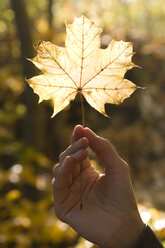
(30, 141)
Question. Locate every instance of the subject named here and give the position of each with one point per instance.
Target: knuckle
(125, 165)
(53, 180)
(107, 143)
(54, 167)
(61, 157)
(64, 154)
(55, 170)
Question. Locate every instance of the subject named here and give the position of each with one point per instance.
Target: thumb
(104, 150)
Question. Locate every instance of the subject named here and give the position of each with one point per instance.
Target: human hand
(109, 217)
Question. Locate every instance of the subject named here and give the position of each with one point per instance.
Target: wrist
(127, 234)
(130, 234)
(148, 239)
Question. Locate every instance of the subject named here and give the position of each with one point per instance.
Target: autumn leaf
(82, 66)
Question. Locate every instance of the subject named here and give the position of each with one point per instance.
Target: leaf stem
(83, 124)
(82, 109)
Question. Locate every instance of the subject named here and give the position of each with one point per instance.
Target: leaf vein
(105, 66)
(60, 66)
(53, 86)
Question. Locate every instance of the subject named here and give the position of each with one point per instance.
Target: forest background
(30, 141)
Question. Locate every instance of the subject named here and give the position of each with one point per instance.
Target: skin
(109, 217)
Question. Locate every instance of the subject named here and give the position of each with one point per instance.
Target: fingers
(77, 134)
(63, 176)
(77, 145)
(73, 149)
(76, 150)
(62, 179)
(104, 150)
(80, 154)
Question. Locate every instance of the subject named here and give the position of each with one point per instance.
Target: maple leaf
(82, 66)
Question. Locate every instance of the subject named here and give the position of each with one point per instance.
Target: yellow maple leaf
(82, 66)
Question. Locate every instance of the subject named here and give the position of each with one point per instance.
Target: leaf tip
(40, 100)
(141, 88)
(105, 114)
(27, 80)
(137, 66)
(54, 113)
(28, 59)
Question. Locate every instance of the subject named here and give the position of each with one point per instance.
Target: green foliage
(136, 127)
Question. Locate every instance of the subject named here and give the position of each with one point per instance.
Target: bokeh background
(30, 141)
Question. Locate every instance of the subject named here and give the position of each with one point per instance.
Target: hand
(109, 217)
